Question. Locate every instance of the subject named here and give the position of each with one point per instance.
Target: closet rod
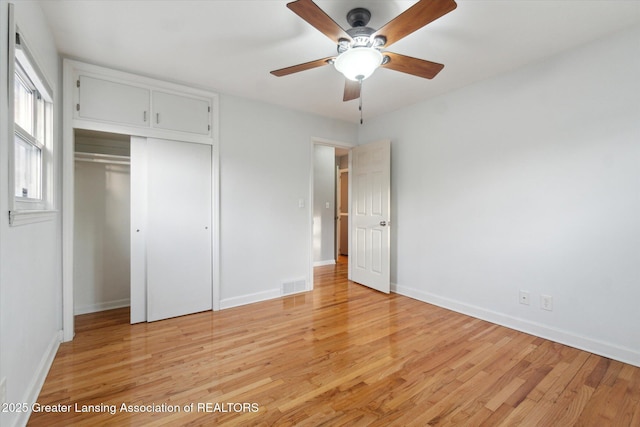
(102, 158)
(107, 162)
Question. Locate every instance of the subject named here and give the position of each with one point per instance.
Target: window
(33, 131)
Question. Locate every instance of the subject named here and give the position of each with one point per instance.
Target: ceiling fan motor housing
(361, 37)
(360, 34)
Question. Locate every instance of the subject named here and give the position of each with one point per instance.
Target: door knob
(383, 223)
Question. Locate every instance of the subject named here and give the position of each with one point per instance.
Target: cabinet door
(113, 102)
(178, 235)
(181, 113)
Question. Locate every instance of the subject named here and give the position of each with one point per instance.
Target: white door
(178, 235)
(370, 214)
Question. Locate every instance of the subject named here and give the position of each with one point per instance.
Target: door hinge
(77, 107)
(208, 127)
(78, 83)
(208, 109)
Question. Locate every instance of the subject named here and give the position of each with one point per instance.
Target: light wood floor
(340, 355)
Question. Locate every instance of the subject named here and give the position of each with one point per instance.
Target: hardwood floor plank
(339, 355)
(517, 416)
(501, 396)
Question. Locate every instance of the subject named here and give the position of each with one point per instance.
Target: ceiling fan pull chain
(360, 107)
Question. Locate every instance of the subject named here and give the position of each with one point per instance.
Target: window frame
(27, 210)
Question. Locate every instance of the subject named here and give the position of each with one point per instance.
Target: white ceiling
(230, 46)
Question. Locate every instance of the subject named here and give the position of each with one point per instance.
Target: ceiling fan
(360, 48)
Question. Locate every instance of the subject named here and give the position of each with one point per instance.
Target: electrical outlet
(3, 391)
(546, 302)
(524, 297)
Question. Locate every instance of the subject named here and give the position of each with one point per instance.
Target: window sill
(25, 217)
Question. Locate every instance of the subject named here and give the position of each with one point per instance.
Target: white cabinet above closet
(110, 100)
(181, 113)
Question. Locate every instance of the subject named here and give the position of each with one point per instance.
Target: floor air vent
(294, 287)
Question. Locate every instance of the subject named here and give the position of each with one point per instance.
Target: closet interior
(102, 221)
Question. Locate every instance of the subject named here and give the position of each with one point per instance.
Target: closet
(143, 193)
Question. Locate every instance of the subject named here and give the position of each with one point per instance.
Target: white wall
(266, 163)
(30, 262)
(101, 238)
(527, 181)
(324, 191)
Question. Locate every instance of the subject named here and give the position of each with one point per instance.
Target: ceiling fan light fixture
(358, 63)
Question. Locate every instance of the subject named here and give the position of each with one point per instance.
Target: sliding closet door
(178, 236)
(138, 229)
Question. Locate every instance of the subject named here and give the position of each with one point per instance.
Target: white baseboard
(325, 262)
(101, 306)
(33, 390)
(591, 345)
(249, 299)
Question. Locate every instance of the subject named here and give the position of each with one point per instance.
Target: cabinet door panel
(180, 113)
(113, 102)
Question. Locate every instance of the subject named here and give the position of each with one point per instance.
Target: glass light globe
(358, 63)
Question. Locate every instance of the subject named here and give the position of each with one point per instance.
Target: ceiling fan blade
(302, 67)
(351, 90)
(414, 18)
(414, 66)
(310, 12)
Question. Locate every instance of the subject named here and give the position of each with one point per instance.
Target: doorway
(330, 204)
(369, 203)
